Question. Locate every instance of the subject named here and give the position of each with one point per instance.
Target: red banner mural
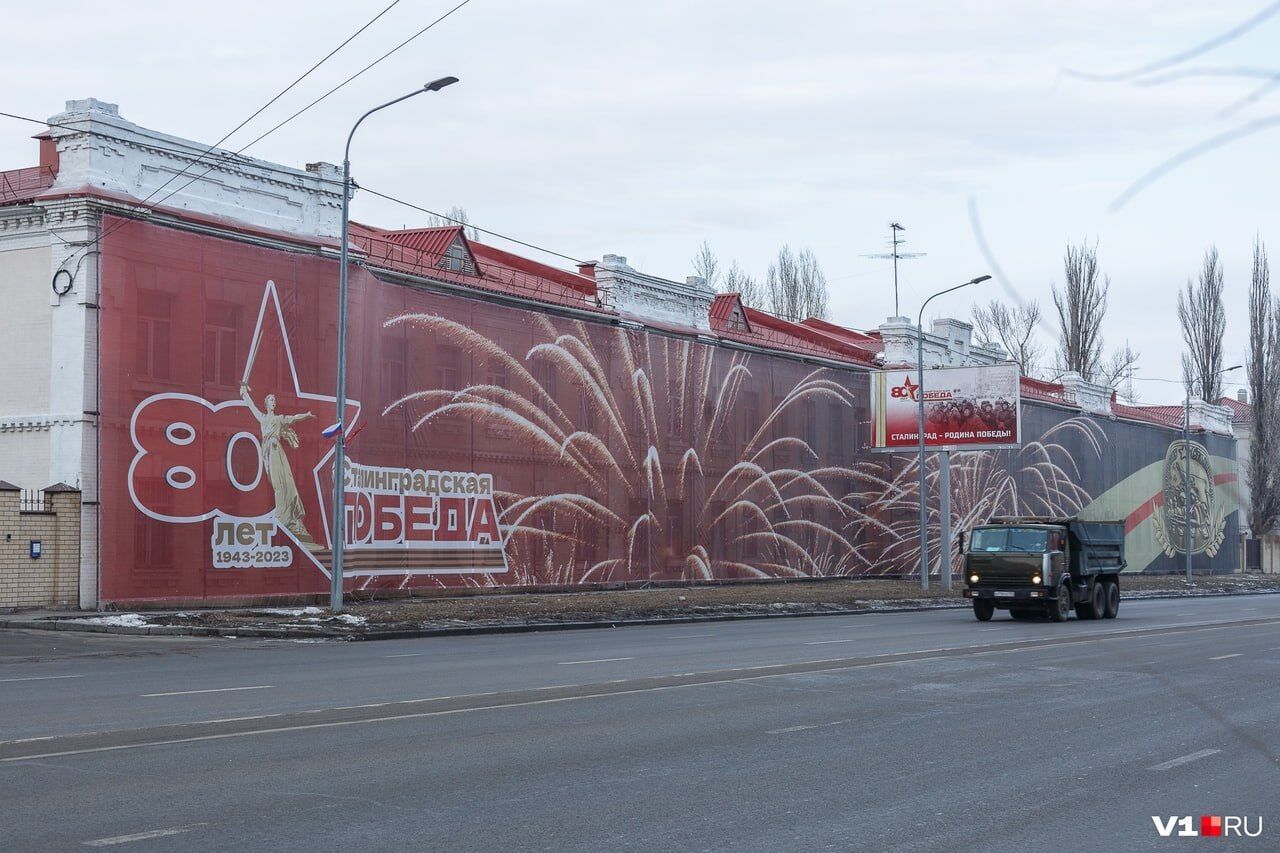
(491, 445)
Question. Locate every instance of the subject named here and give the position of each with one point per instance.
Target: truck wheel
(1112, 593)
(983, 609)
(1094, 606)
(1059, 610)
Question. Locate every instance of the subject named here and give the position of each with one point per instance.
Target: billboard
(964, 407)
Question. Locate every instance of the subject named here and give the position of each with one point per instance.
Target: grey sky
(643, 129)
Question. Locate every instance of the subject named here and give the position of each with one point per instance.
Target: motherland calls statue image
(278, 428)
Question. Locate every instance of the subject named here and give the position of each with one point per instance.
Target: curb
(321, 633)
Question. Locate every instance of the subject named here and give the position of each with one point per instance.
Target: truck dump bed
(1096, 546)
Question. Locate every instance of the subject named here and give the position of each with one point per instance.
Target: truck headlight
(973, 578)
(1035, 579)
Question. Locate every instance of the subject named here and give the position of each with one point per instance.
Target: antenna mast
(895, 241)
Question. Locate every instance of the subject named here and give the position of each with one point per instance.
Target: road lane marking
(1185, 759)
(210, 690)
(688, 636)
(409, 655)
(38, 678)
(789, 729)
(709, 678)
(1224, 657)
(831, 642)
(597, 660)
(141, 836)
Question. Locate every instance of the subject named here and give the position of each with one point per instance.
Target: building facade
(510, 423)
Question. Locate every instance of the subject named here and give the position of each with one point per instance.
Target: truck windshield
(1028, 540)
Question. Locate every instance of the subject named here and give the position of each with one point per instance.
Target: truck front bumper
(1009, 594)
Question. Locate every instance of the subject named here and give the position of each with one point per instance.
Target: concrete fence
(39, 547)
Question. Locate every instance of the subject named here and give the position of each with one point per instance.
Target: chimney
(587, 269)
(48, 153)
(1243, 395)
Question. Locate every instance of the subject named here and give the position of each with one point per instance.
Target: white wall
(25, 328)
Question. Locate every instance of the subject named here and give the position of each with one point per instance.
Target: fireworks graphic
(677, 470)
(1041, 478)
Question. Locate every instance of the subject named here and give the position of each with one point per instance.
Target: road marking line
(38, 678)
(725, 676)
(789, 729)
(211, 690)
(1224, 657)
(597, 660)
(141, 836)
(688, 636)
(409, 655)
(830, 642)
(1185, 759)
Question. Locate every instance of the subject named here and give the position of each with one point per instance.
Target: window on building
(221, 344)
(457, 257)
(448, 368)
(154, 334)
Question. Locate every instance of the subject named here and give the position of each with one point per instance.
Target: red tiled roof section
(575, 281)
(1166, 415)
(18, 186)
(431, 241)
(853, 336)
(1240, 412)
(420, 252)
(1038, 389)
(765, 330)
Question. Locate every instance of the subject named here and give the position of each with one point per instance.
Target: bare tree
(749, 290)
(1118, 367)
(707, 266)
(1204, 322)
(455, 216)
(1013, 329)
(1263, 366)
(796, 285)
(1081, 305)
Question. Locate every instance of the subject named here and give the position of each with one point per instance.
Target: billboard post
(956, 408)
(944, 519)
(924, 493)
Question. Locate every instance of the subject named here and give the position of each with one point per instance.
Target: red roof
(1165, 415)
(1240, 412)
(420, 251)
(22, 185)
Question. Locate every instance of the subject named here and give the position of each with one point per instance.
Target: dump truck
(1034, 566)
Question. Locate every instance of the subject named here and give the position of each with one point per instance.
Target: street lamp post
(924, 506)
(338, 532)
(1186, 473)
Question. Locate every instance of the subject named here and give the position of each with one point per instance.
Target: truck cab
(1044, 566)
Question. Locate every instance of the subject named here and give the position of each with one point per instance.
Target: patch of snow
(349, 619)
(121, 620)
(285, 611)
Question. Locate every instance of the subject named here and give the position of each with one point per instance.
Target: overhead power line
(223, 157)
(519, 242)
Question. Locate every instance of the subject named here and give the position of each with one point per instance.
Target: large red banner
(491, 445)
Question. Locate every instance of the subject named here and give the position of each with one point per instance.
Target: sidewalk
(522, 612)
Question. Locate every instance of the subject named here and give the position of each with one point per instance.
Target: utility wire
(421, 209)
(224, 157)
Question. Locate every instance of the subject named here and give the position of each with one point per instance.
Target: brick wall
(53, 580)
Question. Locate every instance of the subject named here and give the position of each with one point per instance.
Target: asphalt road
(920, 731)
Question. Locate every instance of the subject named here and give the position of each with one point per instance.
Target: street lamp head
(980, 279)
(437, 85)
(1232, 367)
